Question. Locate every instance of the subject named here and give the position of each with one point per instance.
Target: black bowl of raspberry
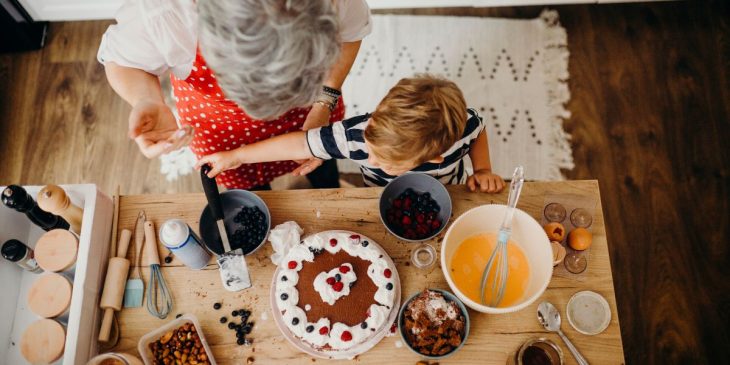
(415, 207)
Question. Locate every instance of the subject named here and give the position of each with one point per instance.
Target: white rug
(513, 72)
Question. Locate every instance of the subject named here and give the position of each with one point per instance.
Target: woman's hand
(153, 127)
(219, 162)
(318, 116)
(486, 181)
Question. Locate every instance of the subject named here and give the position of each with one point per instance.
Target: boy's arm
(483, 177)
(479, 153)
(290, 146)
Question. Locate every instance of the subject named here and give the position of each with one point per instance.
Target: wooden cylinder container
(56, 251)
(43, 342)
(50, 297)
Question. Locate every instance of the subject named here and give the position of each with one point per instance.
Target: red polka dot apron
(221, 125)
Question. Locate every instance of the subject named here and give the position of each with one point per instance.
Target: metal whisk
(498, 260)
(157, 291)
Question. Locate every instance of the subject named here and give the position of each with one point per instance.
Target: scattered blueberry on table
(242, 329)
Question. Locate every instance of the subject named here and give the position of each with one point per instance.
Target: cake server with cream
(232, 263)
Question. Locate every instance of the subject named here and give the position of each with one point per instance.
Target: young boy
(422, 125)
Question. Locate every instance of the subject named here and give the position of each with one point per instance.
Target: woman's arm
(342, 67)
(133, 84)
(320, 114)
(151, 123)
(289, 146)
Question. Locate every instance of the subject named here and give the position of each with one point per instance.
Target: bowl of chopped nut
(434, 324)
(177, 342)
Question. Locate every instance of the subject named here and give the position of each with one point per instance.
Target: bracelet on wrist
(331, 91)
(326, 104)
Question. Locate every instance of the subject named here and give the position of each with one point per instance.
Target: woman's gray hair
(269, 56)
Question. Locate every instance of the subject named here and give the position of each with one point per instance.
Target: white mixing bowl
(526, 232)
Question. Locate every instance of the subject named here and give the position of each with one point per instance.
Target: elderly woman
(241, 71)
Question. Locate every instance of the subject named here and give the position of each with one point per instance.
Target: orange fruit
(580, 239)
(555, 231)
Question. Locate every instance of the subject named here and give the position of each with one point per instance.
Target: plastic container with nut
(164, 334)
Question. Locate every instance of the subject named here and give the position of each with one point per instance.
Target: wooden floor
(650, 119)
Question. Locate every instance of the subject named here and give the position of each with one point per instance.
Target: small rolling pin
(53, 199)
(116, 278)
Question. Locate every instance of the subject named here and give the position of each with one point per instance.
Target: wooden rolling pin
(116, 278)
(53, 199)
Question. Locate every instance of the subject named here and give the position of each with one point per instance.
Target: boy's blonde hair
(419, 119)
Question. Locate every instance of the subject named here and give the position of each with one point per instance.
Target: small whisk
(157, 291)
(498, 263)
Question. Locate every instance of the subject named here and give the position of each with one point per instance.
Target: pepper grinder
(15, 197)
(53, 198)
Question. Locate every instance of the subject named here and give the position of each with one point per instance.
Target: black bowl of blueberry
(247, 221)
(415, 207)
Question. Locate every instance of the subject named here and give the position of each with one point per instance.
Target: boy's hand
(485, 181)
(219, 162)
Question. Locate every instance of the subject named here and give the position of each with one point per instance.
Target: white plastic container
(85, 314)
(143, 345)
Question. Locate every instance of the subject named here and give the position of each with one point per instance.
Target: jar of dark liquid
(539, 351)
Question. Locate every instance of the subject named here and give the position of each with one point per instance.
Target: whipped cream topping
(381, 274)
(335, 284)
(337, 335)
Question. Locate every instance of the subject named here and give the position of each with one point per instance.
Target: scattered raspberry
(387, 273)
(323, 330)
(330, 280)
(346, 336)
(292, 265)
(338, 286)
(333, 242)
(344, 269)
(355, 237)
(392, 328)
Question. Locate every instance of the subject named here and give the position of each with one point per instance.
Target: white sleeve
(355, 21)
(153, 35)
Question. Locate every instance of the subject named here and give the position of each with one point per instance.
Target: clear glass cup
(423, 256)
(555, 212)
(580, 217)
(575, 262)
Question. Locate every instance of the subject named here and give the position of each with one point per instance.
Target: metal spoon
(549, 317)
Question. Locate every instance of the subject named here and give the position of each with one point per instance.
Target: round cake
(336, 291)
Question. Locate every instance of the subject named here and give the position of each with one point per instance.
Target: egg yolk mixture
(470, 260)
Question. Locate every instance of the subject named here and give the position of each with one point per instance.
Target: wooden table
(493, 338)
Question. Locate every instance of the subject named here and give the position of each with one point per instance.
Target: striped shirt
(344, 140)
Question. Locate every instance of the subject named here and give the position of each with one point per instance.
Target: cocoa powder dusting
(350, 309)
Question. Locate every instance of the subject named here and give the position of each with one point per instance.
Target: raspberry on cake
(335, 284)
